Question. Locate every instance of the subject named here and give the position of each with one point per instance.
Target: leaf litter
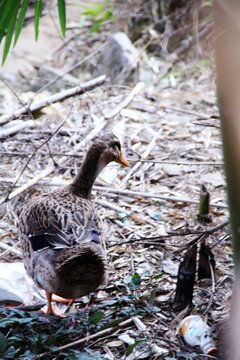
(171, 136)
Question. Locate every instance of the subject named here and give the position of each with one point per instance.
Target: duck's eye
(116, 144)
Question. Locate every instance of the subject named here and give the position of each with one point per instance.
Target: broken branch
(77, 90)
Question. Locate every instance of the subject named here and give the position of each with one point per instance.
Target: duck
(61, 234)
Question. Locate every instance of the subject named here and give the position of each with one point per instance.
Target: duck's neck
(89, 170)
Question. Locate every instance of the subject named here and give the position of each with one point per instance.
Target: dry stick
(32, 155)
(213, 287)
(170, 234)
(199, 163)
(82, 143)
(47, 171)
(153, 196)
(31, 116)
(15, 128)
(8, 248)
(203, 235)
(69, 70)
(189, 112)
(208, 28)
(126, 101)
(81, 341)
(144, 155)
(118, 209)
(77, 90)
(204, 163)
(65, 43)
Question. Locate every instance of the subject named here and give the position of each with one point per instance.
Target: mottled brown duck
(60, 232)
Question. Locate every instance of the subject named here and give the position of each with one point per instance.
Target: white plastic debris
(197, 333)
(15, 285)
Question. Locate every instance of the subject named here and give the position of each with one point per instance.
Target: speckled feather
(60, 232)
(67, 222)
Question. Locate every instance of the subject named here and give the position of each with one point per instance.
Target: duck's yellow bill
(121, 160)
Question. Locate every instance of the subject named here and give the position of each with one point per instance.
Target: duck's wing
(58, 223)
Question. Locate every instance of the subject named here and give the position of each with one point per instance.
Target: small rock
(119, 54)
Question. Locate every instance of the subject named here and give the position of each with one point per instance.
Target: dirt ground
(170, 133)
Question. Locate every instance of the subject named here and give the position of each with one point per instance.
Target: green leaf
(96, 317)
(38, 12)
(136, 279)
(158, 276)
(20, 20)
(131, 347)
(3, 343)
(93, 10)
(62, 15)
(10, 353)
(208, 3)
(10, 30)
(6, 14)
(5, 9)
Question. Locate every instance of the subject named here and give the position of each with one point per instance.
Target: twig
(30, 115)
(65, 42)
(203, 235)
(48, 170)
(118, 209)
(32, 155)
(144, 155)
(213, 287)
(15, 128)
(81, 341)
(69, 70)
(126, 101)
(153, 196)
(11, 249)
(77, 90)
(82, 143)
(199, 163)
(194, 113)
(182, 49)
(155, 240)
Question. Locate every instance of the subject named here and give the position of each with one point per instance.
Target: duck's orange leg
(62, 300)
(51, 309)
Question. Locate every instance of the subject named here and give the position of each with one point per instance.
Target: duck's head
(104, 149)
(109, 147)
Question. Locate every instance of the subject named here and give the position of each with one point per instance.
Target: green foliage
(208, 3)
(134, 281)
(13, 13)
(3, 343)
(96, 317)
(131, 347)
(20, 20)
(62, 15)
(38, 13)
(101, 12)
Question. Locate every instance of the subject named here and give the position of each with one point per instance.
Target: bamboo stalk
(227, 37)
